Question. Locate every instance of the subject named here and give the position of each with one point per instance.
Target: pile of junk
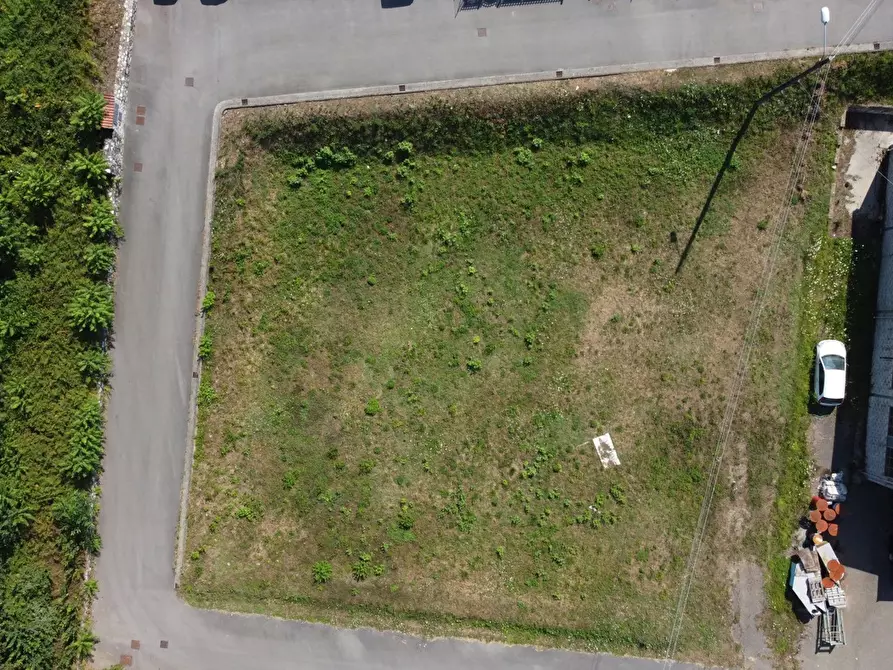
(816, 575)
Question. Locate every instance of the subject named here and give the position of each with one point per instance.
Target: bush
(322, 572)
(29, 622)
(99, 259)
(92, 167)
(90, 108)
(15, 515)
(100, 222)
(362, 568)
(35, 186)
(75, 516)
(372, 407)
(92, 309)
(85, 442)
(94, 364)
(205, 346)
(208, 301)
(404, 150)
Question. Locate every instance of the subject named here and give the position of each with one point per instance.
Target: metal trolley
(831, 632)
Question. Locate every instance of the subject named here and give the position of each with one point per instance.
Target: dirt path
(748, 599)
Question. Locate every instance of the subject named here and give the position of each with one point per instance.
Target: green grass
(54, 307)
(835, 301)
(414, 339)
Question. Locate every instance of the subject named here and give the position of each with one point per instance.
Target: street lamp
(826, 19)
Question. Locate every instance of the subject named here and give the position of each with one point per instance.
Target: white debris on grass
(604, 447)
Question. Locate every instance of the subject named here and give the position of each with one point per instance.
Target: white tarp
(604, 447)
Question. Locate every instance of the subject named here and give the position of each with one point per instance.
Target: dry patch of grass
(105, 19)
(412, 350)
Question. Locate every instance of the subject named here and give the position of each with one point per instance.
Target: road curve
(251, 48)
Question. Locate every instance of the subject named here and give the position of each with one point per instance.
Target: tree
(92, 308)
(90, 108)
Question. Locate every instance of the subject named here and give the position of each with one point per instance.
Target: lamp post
(826, 19)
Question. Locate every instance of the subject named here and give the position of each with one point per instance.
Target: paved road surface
(265, 47)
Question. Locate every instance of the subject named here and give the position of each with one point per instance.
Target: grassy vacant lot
(422, 310)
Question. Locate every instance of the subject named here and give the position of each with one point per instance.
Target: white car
(830, 372)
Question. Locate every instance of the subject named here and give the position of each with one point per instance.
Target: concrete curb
(398, 89)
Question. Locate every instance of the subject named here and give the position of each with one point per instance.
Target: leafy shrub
(362, 568)
(372, 407)
(85, 442)
(524, 156)
(405, 517)
(326, 158)
(618, 494)
(473, 364)
(598, 250)
(29, 623)
(82, 646)
(208, 301)
(75, 515)
(92, 308)
(206, 393)
(322, 572)
(89, 110)
(35, 186)
(366, 466)
(92, 167)
(404, 150)
(94, 364)
(205, 347)
(289, 479)
(15, 515)
(250, 510)
(100, 222)
(99, 259)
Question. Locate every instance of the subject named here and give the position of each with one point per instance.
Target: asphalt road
(248, 48)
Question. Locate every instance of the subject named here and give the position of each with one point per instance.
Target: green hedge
(57, 240)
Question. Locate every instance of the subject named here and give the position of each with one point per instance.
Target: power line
(750, 333)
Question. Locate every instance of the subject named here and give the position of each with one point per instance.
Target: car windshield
(834, 362)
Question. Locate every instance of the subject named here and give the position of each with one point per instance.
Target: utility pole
(826, 19)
